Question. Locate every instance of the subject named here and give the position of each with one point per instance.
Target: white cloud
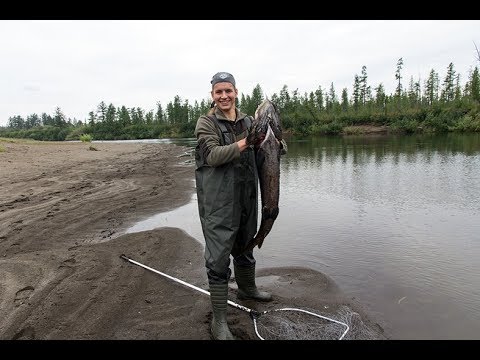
(77, 64)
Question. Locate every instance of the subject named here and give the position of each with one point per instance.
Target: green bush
(468, 123)
(86, 138)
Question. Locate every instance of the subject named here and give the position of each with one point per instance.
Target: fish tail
(260, 243)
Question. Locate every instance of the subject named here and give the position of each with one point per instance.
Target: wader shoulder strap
(228, 136)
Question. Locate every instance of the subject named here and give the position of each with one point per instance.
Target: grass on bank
(86, 138)
(26, 141)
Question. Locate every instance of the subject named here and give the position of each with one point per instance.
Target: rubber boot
(218, 297)
(247, 290)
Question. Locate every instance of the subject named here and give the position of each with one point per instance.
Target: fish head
(267, 115)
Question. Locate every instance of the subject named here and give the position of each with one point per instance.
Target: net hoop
(300, 310)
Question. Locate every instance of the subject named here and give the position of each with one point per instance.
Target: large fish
(267, 125)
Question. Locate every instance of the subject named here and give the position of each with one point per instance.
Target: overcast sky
(77, 64)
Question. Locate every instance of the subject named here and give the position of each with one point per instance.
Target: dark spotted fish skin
(267, 152)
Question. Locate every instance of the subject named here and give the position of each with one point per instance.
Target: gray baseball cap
(223, 77)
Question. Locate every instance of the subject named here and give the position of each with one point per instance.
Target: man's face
(224, 95)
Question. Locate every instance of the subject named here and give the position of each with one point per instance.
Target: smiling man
(226, 181)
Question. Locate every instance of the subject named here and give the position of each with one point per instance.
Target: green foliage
(2, 149)
(406, 125)
(44, 133)
(468, 123)
(76, 132)
(333, 128)
(86, 138)
(442, 107)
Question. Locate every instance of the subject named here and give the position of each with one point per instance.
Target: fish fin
(250, 245)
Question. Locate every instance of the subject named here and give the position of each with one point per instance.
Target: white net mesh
(298, 325)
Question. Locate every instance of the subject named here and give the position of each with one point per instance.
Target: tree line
(434, 105)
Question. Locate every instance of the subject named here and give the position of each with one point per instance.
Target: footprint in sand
(23, 295)
(27, 333)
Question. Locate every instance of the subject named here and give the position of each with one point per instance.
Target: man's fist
(255, 136)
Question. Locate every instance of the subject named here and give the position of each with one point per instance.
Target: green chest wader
(227, 203)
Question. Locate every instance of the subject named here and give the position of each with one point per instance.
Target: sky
(76, 64)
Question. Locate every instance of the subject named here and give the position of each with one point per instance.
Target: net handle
(253, 313)
(238, 306)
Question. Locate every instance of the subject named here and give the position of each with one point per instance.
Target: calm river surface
(394, 221)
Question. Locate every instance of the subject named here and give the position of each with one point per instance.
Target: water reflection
(184, 217)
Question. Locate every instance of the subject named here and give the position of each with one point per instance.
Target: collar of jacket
(219, 114)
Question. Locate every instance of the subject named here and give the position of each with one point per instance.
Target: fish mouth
(268, 125)
(268, 134)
